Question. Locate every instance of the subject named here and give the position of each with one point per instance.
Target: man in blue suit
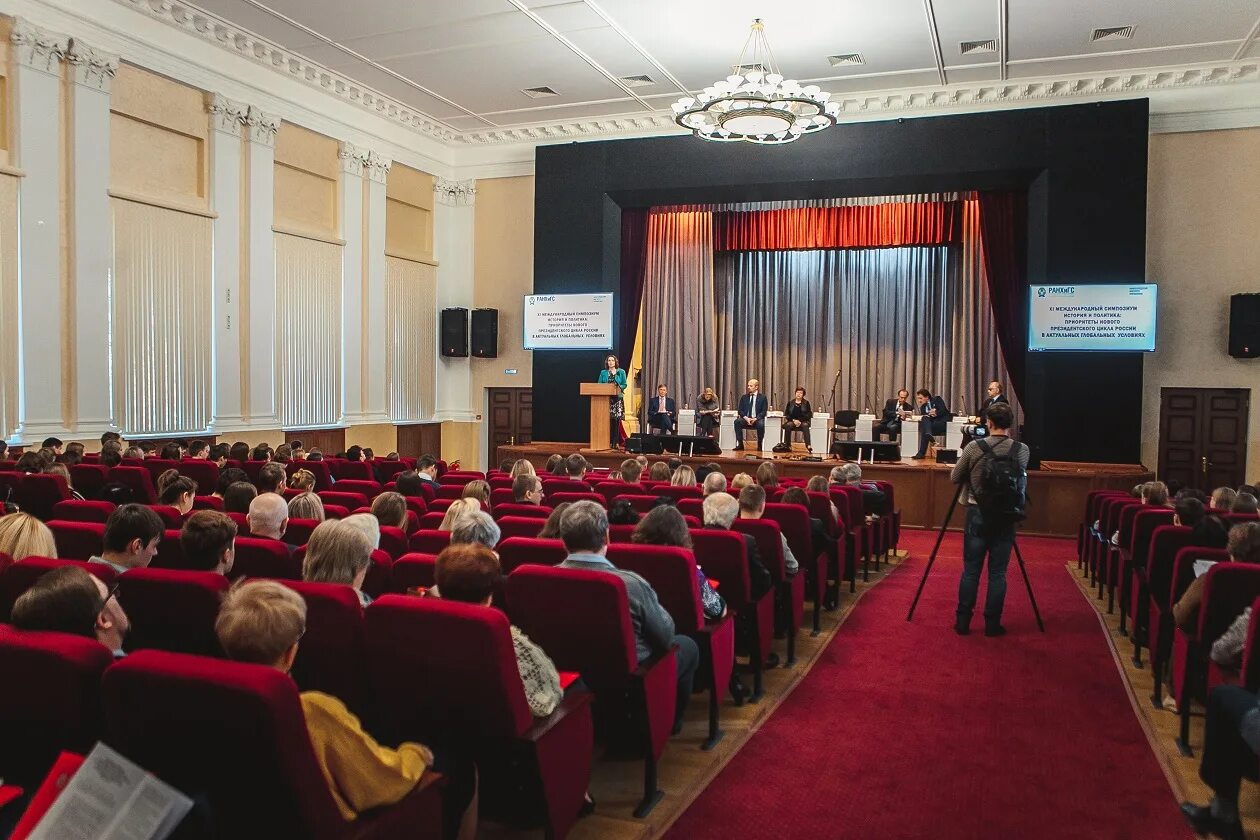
(934, 414)
(661, 412)
(752, 414)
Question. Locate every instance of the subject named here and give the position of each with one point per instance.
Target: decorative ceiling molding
(214, 29)
(91, 67)
(863, 105)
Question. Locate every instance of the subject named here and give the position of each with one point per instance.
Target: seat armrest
(573, 701)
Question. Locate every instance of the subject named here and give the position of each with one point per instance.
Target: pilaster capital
(38, 48)
(226, 115)
(262, 126)
(454, 193)
(91, 67)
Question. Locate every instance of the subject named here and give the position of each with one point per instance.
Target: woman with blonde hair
(303, 480)
(522, 467)
(22, 536)
(457, 509)
(739, 482)
(339, 552)
(391, 509)
(684, 476)
(64, 471)
(307, 505)
(479, 490)
(659, 472)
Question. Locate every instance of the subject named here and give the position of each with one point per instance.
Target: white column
(453, 248)
(352, 326)
(375, 403)
(226, 119)
(89, 238)
(260, 263)
(37, 69)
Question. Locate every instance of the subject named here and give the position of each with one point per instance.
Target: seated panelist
(895, 410)
(933, 415)
(708, 413)
(661, 412)
(752, 414)
(797, 416)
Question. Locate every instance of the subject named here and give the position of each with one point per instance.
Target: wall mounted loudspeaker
(455, 331)
(485, 333)
(1244, 326)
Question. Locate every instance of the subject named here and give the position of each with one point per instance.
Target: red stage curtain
(1004, 239)
(819, 228)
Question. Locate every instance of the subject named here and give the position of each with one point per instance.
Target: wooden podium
(600, 393)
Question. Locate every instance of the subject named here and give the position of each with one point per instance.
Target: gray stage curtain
(885, 318)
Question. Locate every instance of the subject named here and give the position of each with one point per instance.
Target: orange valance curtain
(818, 228)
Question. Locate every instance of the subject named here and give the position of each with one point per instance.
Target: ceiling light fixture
(758, 106)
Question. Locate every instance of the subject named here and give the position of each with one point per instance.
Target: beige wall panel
(503, 273)
(1203, 202)
(381, 438)
(410, 185)
(305, 201)
(153, 99)
(152, 161)
(303, 149)
(462, 442)
(408, 230)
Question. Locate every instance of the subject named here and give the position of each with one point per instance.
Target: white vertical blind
(8, 303)
(411, 338)
(162, 312)
(308, 332)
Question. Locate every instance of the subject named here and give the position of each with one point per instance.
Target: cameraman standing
(993, 474)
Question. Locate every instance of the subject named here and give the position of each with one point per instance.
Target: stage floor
(923, 489)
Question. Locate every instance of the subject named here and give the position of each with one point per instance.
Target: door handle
(1205, 464)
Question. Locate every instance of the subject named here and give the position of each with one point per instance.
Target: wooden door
(511, 418)
(1203, 436)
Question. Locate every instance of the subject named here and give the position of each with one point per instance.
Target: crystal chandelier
(755, 103)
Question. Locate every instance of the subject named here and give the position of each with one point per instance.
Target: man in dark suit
(934, 414)
(661, 413)
(995, 396)
(752, 414)
(894, 410)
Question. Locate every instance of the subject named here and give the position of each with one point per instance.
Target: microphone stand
(831, 444)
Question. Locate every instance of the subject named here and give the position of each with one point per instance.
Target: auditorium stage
(1056, 492)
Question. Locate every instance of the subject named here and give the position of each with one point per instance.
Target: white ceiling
(464, 62)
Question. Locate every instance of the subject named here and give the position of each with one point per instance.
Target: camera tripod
(932, 559)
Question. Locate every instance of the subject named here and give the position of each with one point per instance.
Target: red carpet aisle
(909, 731)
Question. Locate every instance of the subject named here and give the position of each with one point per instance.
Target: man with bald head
(752, 414)
(268, 516)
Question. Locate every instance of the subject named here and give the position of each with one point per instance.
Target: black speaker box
(455, 331)
(947, 456)
(1244, 326)
(641, 444)
(485, 333)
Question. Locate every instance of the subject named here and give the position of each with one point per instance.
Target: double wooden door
(511, 418)
(1203, 436)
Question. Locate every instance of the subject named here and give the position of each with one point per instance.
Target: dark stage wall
(1083, 167)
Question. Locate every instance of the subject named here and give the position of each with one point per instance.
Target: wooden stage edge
(1056, 492)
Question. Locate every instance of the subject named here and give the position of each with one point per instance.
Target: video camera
(976, 430)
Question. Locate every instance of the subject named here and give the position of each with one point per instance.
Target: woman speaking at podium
(616, 405)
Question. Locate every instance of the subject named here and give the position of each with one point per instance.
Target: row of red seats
(1151, 564)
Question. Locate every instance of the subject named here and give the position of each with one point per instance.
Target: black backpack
(1002, 483)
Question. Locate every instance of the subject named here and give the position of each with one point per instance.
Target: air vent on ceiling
(978, 47)
(539, 92)
(745, 69)
(845, 58)
(1111, 33)
(637, 81)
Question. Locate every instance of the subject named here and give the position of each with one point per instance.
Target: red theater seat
(794, 522)
(429, 541)
(172, 609)
(414, 571)
(37, 494)
(790, 606)
(138, 479)
(208, 503)
(74, 510)
(299, 531)
(350, 501)
(560, 498)
(369, 489)
(519, 551)
(723, 555)
(525, 766)
(265, 558)
(351, 470)
(19, 577)
(331, 657)
(78, 540)
(323, 478)
(203, 472)
(170, 552)
(88, 479)
(394, 541)
(514, 509)
(254, 762)
(520, 526)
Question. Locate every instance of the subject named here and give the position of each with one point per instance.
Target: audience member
(684, 476)
(368, 524)
(666, 526)
(554, 463)
(339, 552)
(4, 450)
(198, 450)
(110, 437)
(505, 466)
(69, 600)
(476, 527)
(283, 454)
(238, 496)
(659, 471)
(73, 455)
(584, 530)
(262, 622)
(1155, 493)
(271, 478)
(218, 454)
(739, 481)
(111, 457)
(64, 471)
(303, 480)
(1231, 742)
(306, 505)
(1223, 499)
(354, 453)
(1208, 530)
(714, 482)
(1243, 547)
(239, 452)
(752, 505)
(427, 471)
(527, 490)
(767, 477)
(575, 467)
(821, 543)
(148, 449)
(29, 462)
(208, 542)
(874, 500)
(630, 471)
(470, 573)
(261, 452)
(522, 467)
(171, 451)
(52, 443)
(458, 509)
(409, 483)
(267, 517)
(390, 509)
(720, 510)
(315, 454)
(227, 478)
(621, 512)
(132, 534)
(551, 528)
(1244, 503)
(479, 490)
(22, 536)
(133, 453)
(176, 490)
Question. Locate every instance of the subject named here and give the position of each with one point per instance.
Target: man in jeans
(1231, 740)
(994, 537)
